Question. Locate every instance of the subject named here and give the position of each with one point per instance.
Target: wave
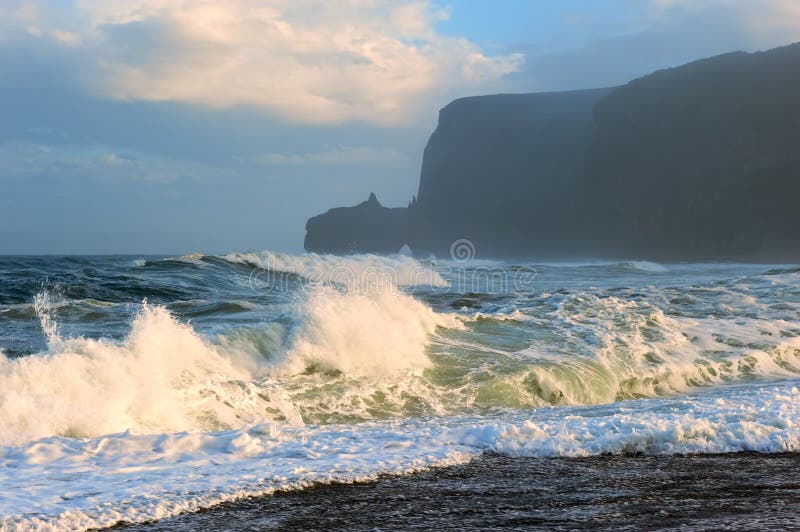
(630, 266)
(622, 349)
(625, 266)
(335, 355)
(165, 377)
(643, 266)
(783, 270)
(141, 478)
(353, 272)
(362, 335)
(162, 377)
(514, 315)
(338, 381)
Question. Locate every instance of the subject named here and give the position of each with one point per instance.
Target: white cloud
(20, 160)
(763, 21)
(311, 61)
(659, 34)
(66, 38)
(337, 156)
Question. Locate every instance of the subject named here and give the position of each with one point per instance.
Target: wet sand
(700, 492)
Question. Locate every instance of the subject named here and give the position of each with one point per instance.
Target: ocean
(135, 389)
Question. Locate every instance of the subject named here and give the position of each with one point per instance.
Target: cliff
(702, 161)
(505, 172)
(367, 227)
(699, 162)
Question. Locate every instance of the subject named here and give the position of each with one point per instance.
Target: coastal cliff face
(703, 160)
(700, 162)
(368, 227)
(505, 171)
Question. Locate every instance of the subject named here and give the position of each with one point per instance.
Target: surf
(333, 376)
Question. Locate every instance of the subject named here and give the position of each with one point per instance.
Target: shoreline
(742, 490)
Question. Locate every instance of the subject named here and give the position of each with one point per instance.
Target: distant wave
(644, 266)
(629, 266)
(352, 270)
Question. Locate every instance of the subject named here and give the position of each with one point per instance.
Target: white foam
(645, 266)
(138, 478)
(164, 377)
(762, 418)
(360, 334)
(352, 272)
(511, 315)
(60, 483)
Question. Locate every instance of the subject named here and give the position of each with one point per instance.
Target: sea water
(137, 388)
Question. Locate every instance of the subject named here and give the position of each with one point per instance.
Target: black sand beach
(697, 492)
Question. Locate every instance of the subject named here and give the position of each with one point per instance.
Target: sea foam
(165, 377)
(139, 478)
(354, 272)
(342, 381)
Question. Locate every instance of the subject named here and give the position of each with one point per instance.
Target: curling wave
(165, 377)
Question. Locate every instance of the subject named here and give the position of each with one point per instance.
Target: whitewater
(138, 388)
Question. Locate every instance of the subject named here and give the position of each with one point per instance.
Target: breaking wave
(165, 377)
(261, 459)
(338, 378)
(354, 271)
(342, 356)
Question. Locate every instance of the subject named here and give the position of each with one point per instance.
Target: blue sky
(173, 126)
(505, 24)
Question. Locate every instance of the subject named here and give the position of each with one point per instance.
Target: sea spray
(359, 334)
(218, 388)
(355, 272)
(165, 377)
(336, 354)
(162, 377)
(139, 478)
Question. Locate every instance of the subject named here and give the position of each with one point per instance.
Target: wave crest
(353, 271)
(165, 377)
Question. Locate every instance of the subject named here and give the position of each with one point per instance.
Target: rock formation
(699, 162)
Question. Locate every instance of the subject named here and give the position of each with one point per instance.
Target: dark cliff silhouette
(367, 227)
(699, 162)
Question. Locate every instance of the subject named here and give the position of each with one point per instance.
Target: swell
(335, 380)
(329, 353)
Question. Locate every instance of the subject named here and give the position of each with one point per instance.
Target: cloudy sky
(171, 126)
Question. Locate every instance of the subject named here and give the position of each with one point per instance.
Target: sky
(177, 126)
